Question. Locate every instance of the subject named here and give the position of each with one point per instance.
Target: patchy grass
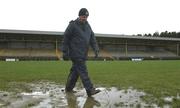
(31, 71)
(159, 78)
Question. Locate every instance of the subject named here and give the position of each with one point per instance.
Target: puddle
(51, 95)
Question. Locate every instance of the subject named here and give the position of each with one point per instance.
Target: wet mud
(51, 95)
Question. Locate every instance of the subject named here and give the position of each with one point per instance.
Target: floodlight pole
(126, 48)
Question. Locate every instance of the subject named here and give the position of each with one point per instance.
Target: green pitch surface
(159, 78)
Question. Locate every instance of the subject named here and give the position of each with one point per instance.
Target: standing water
(51, 95)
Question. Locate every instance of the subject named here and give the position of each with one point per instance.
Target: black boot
(93, 91)
(70, 90)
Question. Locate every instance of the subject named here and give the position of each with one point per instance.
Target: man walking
(77, 38)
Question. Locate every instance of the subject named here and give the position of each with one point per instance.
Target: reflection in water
(72, 101)
(91, 102)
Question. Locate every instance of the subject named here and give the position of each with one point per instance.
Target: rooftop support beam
(178, 49)
(126, 48)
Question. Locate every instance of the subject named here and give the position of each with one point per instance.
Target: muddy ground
(52, 95)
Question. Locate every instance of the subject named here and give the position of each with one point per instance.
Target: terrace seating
(138, 51)
(104, 53)
(109, 52)
(14, 52)
(42, 53)
(29, 53)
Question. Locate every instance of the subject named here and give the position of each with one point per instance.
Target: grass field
(159, 78)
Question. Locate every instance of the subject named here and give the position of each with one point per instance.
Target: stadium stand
(46, 45)
(105, 54)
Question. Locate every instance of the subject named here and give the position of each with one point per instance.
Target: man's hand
(96, 54)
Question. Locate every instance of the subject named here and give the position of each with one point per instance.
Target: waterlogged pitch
(143, 83)
(51, 95)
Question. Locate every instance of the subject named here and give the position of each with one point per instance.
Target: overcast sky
(106, 16)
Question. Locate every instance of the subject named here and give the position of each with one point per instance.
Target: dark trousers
(78, 69)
